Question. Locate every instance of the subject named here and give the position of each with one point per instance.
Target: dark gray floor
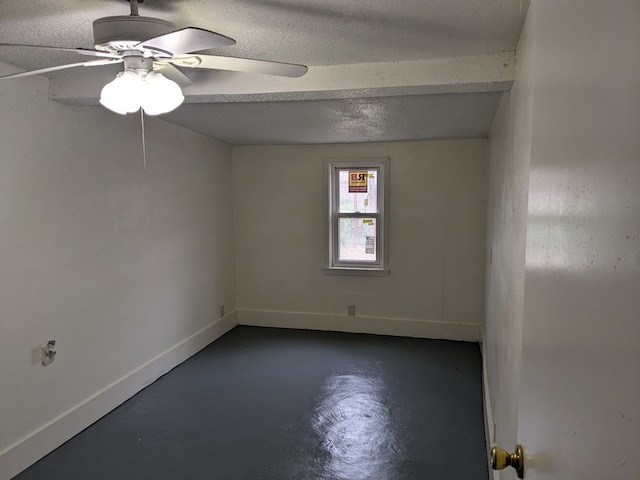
(270, 404)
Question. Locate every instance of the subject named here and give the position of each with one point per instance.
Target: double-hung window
(358, 199)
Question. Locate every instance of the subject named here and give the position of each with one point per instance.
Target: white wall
(118, 266)
(509, 153)
(437, 238)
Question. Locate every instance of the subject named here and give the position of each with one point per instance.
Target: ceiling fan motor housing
(122, 33)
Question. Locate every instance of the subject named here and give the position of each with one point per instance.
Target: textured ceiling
(379, 70)
(345, 120)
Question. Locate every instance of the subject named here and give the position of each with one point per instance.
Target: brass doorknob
(500, 459)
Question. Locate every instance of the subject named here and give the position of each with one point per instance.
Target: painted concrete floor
(271, 404)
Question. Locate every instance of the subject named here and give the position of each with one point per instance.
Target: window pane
(359, 195)
(357, 239)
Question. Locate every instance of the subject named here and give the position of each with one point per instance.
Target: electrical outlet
(351, 310)
(221, 311)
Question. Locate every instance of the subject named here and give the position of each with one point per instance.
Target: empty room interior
(367, 240)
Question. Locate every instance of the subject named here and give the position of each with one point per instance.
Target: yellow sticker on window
(367, 221)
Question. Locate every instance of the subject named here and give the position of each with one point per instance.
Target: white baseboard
(402, 327)
(27, 451)
(489, 425)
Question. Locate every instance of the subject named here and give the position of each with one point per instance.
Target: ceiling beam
(472, 74)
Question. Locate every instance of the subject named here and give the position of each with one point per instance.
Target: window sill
(372, 272)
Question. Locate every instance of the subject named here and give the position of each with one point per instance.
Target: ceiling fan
(151, 49)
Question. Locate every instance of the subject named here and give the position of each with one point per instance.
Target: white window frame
(381, 265)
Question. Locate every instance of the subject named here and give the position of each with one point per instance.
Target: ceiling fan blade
(187, 40)
(81, 51)
(172, 73)
(89, 63)
(237, 64)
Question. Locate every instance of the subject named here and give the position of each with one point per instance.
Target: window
(358, 197)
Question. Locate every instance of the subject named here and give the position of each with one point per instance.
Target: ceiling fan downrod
(134, 7)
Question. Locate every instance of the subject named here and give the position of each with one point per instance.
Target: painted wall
(437, 237)
(509, 153)
(125, 270)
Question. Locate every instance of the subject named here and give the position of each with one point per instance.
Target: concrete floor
(271, 404)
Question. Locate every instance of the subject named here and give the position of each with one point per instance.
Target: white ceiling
(379, 70)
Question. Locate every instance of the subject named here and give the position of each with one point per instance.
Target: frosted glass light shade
(160, 94)
(123, 94)
(129, 91)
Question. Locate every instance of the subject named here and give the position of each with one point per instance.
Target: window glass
(357, 239)
(358, 198)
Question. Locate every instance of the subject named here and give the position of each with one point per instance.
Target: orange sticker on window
(358, 182)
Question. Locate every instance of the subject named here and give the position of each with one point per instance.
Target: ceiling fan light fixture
(160, 95)
(144, 43)
(155, 93)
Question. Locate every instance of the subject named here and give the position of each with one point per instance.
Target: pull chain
(144, 147)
